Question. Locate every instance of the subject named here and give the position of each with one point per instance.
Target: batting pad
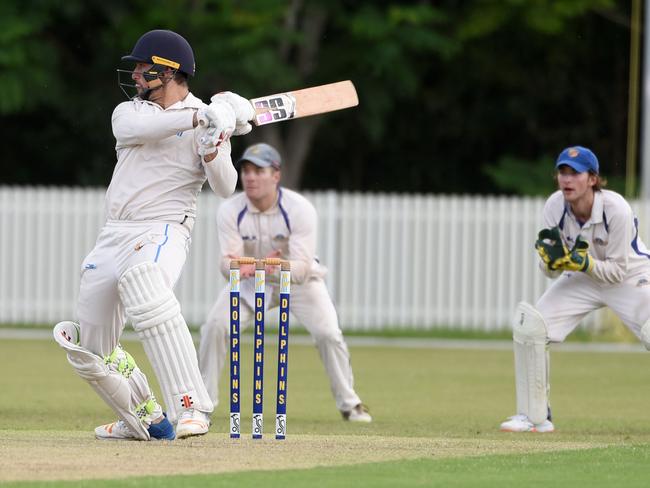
(111, 385)
(531, 363)
(156, 317)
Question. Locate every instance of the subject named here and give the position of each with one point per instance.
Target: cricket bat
(305, 102)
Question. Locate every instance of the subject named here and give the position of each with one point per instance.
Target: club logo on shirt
(642, 282)
(599, 241)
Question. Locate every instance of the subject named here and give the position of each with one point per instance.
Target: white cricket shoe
(520, 423)
(357, 414)
(118, 430)
(114, 431)
(192, 422)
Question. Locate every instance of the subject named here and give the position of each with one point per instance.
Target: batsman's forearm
(222, 175)
(131, 127)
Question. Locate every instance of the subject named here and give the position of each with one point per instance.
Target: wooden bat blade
(305, 102)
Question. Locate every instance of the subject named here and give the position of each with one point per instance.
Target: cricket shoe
(357, 414)
(520, 423)
(163, 430)
(192, 422)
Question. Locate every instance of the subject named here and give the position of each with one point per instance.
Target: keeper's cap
(579, 158)
(261, 155)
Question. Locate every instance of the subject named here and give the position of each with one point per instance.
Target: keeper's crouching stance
(591, 245)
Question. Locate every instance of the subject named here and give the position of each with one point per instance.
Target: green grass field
(436, 423)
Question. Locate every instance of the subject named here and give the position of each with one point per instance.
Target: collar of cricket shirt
(190, 101)
(597, 210)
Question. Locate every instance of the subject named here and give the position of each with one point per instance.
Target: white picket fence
(395, 261)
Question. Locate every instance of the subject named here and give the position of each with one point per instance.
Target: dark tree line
(455, 96)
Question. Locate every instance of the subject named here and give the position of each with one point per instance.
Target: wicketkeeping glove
(550, 247)
(578, 258)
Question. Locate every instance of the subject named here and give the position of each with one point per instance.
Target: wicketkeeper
(591, 244)
(267, 220)
(168, 143)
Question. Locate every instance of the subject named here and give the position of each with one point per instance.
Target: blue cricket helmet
(164, 47)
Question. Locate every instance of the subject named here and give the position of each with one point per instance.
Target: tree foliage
(447, 89)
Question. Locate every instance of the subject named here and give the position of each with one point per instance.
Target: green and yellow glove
(578, 258)
(550, 248)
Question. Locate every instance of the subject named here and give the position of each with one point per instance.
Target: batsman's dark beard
(145, 94)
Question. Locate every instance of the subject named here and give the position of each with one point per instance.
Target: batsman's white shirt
(159, 173)
(620, 278)
(150, 207)
(289, 226)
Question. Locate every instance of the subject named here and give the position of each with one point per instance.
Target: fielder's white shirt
(290, 226)
(159, 172)
(612, 232)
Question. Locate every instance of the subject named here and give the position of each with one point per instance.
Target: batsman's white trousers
(312, 306)
(573, 295)
(120, 246)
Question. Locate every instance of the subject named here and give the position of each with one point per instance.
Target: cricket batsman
(269, 221)
(168, 142)
(591, 244)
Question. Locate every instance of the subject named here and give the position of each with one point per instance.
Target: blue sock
(163, 430)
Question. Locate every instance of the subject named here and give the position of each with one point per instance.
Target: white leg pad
(109, 383)
(156, 317)
(531, 363)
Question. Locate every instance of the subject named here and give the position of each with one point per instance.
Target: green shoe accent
(78, 329)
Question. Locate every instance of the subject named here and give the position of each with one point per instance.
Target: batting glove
(210, 138)
(550, 247)
(219, 115)
(244, 111)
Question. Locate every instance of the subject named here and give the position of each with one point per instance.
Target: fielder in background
(267, 220)
(591, 245)
(168, 143)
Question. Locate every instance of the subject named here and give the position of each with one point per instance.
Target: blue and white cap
(579, 158)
